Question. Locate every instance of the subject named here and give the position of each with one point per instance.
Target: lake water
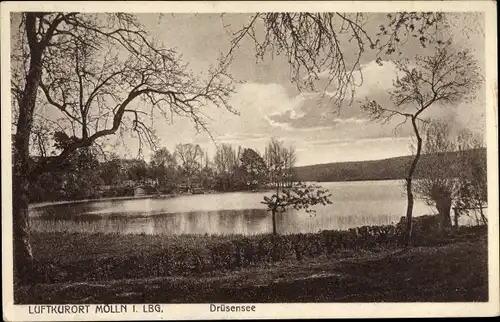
(354, 204)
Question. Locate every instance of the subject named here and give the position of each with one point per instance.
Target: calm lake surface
(354, 204)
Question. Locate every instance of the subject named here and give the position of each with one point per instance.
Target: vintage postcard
(248, 160)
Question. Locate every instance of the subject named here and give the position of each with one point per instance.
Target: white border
(326, 310)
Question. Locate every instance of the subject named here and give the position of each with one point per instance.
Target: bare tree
(297, 196)
(189, 159)
(93, 69)
(225, 162)
(456, 175)
(438, 181)
(162, 167)
(473, 184)
(289, 159)
(274, 158)
(315, 42)
(280, 161)
(445, 78)
(225, 159)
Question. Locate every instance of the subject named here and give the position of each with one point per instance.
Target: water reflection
(354, 204)
(248, 222)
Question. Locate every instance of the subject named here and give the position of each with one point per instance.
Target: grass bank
(356, 265)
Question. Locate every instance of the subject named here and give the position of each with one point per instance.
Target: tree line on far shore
(188, 168)
(451, 178)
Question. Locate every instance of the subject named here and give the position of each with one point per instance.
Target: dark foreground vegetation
(363, 264)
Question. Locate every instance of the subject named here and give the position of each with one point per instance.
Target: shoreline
(154, 196)
(63, 202)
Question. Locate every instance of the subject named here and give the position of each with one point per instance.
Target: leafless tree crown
(103, 74)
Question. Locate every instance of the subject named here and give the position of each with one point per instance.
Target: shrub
(156, 256)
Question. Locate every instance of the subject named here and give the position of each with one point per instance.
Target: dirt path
(455, 272)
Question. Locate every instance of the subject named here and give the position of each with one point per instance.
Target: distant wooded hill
(386, 169)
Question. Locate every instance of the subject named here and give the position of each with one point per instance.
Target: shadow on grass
(454, 272)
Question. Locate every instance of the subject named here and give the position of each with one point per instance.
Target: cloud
(239, 137)
(265, 98)
(372, 79)
(276, 123)
(353, 141)
(351, 120)
(311, 110)
(273, 104)
(285, 111)
(375, 79)
(310, 120)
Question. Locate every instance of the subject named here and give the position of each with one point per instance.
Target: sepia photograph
(248, 159)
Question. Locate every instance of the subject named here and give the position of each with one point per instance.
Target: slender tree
(225, 162)
(289, 159)
(442, 79)
(298, 196)
(188, 158)
(274, 160)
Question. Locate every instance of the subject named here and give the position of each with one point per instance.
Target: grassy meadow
(364, 264)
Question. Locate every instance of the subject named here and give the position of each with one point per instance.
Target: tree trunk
(457, 215)
(483, 217)
(274, 222)
(409, 211)
(275, 232)
(23, 256)
(409, 193)
(443, 206)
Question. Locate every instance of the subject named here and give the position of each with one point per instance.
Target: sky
(269, 104)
